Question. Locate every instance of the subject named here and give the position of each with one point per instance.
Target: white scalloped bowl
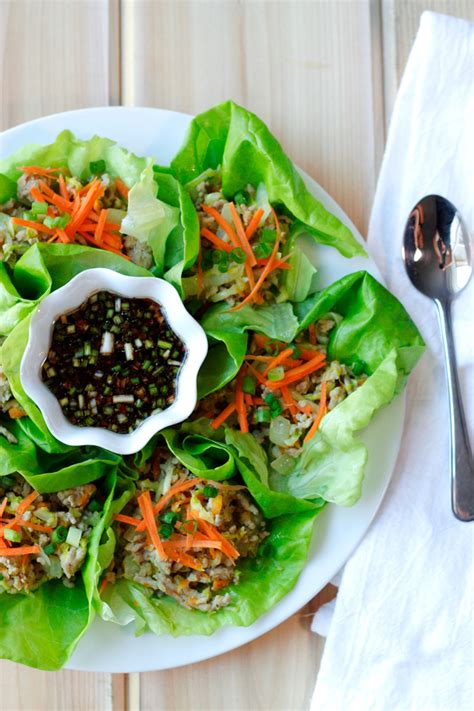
(70, 297)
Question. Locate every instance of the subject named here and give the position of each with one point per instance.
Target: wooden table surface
(323, 74)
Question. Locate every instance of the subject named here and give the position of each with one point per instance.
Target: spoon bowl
(437, 256)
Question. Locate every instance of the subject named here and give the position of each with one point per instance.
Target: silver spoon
(437, 257)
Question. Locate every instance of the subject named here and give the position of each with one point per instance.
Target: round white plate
(109, 648)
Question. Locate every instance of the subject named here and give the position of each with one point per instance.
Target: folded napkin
(401, 635)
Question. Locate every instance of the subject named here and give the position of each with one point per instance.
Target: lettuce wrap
(262, 580)
(41, 629)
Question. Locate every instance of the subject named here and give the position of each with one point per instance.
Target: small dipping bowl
(69, 298)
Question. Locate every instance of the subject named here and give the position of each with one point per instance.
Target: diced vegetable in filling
(53, 206)
(113, 362)
(242, 244)
(43, 536)
(283, 391)
(183, 536)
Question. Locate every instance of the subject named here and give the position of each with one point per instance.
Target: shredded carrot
(240, 404)
(295, 374)
(277, 264)
(112, 240)
(306, 409)
(265, 271)
(225, 414)
(182, 557)
(122, 188)
(254, 222)
(37, 195)
(308, 354)
(248, 399)
(257, 374)
(37, 226)
(175, 489)
(16, 412)
(312, 334)
(215, 535)
(21, 550)
(288, 400)
(127, 519)
(36, 170)
(3, 506)
(85, 207)
(34, 526)
(216, 241)
(62, 236)
(283, 355)
(319, 414)
(244, 243)
(62, 187)
(101, 224)
(222, 223)
(103, 586)
(146, 507)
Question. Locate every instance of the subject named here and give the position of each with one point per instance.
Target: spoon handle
(462, 469)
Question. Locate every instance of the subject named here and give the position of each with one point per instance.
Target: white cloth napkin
(401, 636)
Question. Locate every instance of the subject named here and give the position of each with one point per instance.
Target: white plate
(109, 648)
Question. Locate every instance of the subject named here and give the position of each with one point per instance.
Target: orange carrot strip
(16, 412)
(240, 404)
(21, 550)
(175, 489)
(244, 243)
(260, 358)
(288, 400)
(308, 354)
(146, 507)
(34, 526)
(121, 188)
(3, 506)
(312, 334)
(101, 224)
(266, 270)
(216, 241)
(103, 586)
(295, 374)
(27, 501)
(225, 414)
(63, 236)
(62, 188)
(37, 195)
(91, 226)
(248, 399)
(254, 222)
(319, 414)
(257, 374)
(222, 223)
(36, 170)
(214, 534)
(277, 264)
(127, 519)
(278, 359)
(37, 226)
(112, 240)
(182, 557)
(85, 207)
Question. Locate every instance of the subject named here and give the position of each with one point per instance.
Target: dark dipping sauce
(113, 362)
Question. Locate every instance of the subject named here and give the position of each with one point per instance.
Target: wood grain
(55, 56)
(303, 67)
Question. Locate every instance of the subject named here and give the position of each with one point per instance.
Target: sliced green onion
(277, 373)
(164, 344)
(166, 531)
(249, 384)
(170, 517)
(59, 534)
(238, 255)
(74, 536)
(359, 366)
(262, 414)
(39, 208)
(97, 167)
(10, 535)
(49, 549)
(210, 492)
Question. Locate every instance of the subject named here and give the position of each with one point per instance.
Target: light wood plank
(23, 689)
(304, 67)
(401, 19)
(54, 56)
(273, 673)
